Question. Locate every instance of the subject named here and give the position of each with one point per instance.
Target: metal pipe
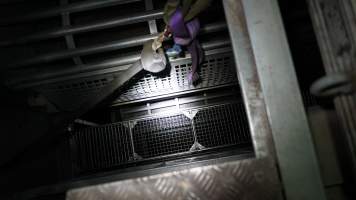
(71, 8)
(111, 46)
(58, 32)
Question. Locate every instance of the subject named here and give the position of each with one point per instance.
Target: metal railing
(110, 46)
(70, 8)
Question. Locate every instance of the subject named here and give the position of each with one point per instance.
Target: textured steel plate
(237, 180)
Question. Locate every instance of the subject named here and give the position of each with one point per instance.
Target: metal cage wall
(160, 137)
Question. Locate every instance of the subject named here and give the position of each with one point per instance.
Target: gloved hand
(157, 43)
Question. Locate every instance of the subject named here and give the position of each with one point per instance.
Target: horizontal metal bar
(213, 27)
(119, 63)
(178, 111)
(172, 102)
(116, 103)
(58, 32)
(216, 43)
(111, 46)
(71, 8)
(86, 123)
(108, 66)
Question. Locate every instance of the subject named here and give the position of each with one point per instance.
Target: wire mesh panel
(222, 125)
(163, 136)
(217, 69)
(160, 136)
(101, 147)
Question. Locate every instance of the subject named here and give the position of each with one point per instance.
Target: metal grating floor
(101, 147)
(163, 136)
(218, 127)
(218, 69)
(157, 137)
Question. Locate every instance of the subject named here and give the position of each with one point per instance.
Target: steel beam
(110, 46)
(291, 134)
(71, 8)
(58, 32)
(106, 66)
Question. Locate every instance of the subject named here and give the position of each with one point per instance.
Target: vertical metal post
(292, 138)
(151, 23)
(69, 37)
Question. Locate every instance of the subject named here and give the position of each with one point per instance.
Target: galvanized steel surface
(292, 137)
(236, 180)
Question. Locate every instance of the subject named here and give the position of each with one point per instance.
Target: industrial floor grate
(101, 147)
(163, 136)
(218, 69)
(160, 137)
(218, 127)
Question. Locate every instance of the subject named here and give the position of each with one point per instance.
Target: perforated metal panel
(71, 95)
(217, 69)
